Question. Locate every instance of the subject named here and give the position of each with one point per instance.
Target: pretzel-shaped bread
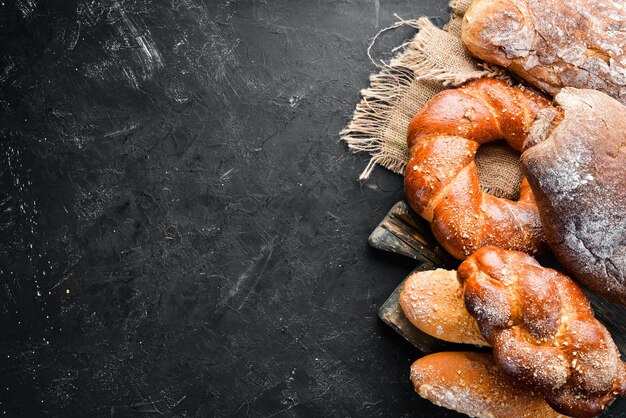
(441, 179)
(542, 330)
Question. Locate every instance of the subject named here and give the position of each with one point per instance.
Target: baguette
(470, 383)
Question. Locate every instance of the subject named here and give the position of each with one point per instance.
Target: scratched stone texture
(181, 231)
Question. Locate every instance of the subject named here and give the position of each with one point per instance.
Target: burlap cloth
(435, 59)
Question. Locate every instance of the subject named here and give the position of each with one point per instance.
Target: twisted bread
(543, 331)
(441, 180)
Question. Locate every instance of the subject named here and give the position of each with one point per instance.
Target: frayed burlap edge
(433, 60)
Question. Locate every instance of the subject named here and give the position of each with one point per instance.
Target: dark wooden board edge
(391, 314)
(403, 232)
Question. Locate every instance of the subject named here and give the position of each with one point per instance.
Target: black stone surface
(181, 231)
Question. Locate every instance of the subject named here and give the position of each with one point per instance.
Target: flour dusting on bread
(577, 170)
(553, 43)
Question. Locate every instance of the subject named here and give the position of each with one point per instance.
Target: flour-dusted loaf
(471, 383)
(553, 43)
(575, 161)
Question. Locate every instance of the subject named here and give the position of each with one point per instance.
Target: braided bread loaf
(543, 331)
(441, 179)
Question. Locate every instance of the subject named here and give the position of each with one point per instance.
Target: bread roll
(553, 43)
(470, 383)
(433, 302)
(575, 161)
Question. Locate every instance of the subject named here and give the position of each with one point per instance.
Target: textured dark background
(181, 232)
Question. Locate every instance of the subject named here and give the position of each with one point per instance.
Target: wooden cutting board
(405, 233)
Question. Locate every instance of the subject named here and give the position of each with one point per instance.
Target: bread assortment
(553, 43)
(548, 354)
(441, 180)
(574, 159)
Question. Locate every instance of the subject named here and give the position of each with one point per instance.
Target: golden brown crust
(543, 331)
(574, 160)
(470, 383)
(441, 179)
(433, 302)
(552, 43)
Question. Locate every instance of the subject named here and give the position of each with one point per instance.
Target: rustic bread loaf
(441, 179)
(575, 160)
(543, 331)
(433, 302)
(553, 43)
(470, 383)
